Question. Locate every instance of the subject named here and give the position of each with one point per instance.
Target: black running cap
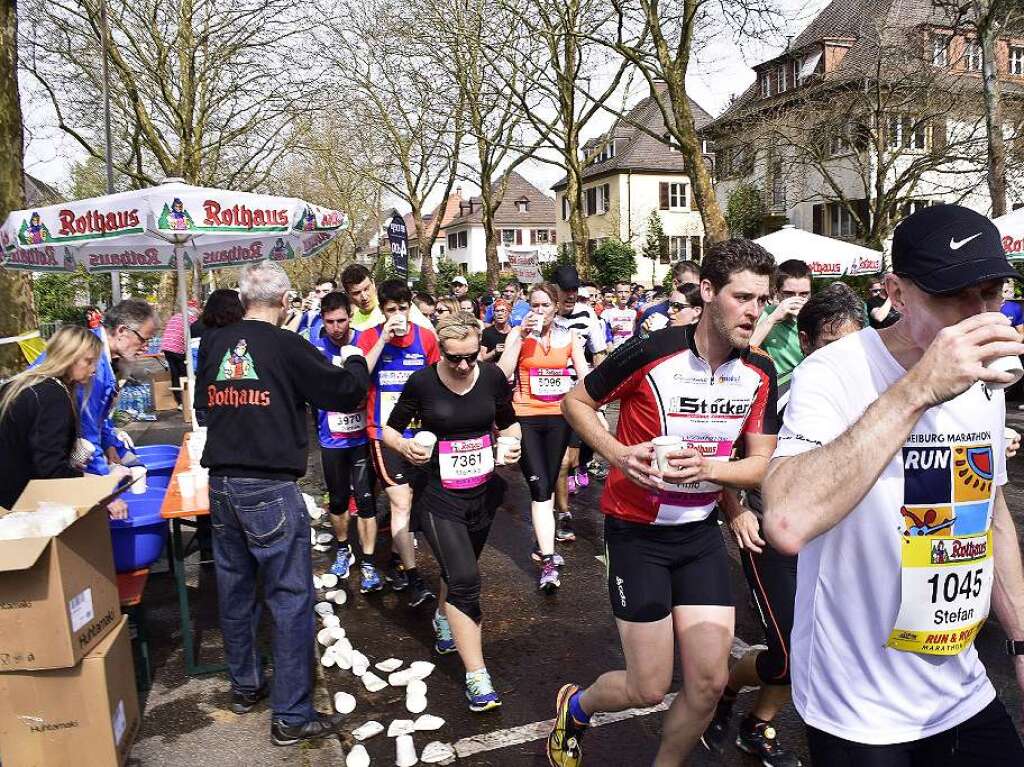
(946, 248)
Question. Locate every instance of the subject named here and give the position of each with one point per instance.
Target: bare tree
(398, 108)
(200, 89)
(18, 314)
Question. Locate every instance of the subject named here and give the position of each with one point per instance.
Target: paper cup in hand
(401, 324)
(426, 439)
(187, 484)
(662, 447)
(504, 445)
(1010, 364)
(138, 480)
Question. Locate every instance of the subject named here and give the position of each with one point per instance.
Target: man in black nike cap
(904, 429)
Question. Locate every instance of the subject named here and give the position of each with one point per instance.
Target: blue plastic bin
(158, 459)
(139, 539)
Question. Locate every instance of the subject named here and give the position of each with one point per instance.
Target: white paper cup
(662, 447)
(504, 445)
(1010, 434)
(405, 751)
(138, 486)
(202, 478)
(1010, 364)
(426, 439)
(187, 484)
(401, 325)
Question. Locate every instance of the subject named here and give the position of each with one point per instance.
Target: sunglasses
(456, 359)
(677, 306)
(138, 335)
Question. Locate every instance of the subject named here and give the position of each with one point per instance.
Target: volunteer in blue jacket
(344, 452)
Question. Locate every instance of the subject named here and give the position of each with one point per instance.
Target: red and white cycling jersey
(665, 387)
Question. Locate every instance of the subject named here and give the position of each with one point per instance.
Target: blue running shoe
(444, 643)
(480, 692)
(343, 563)
(370, 579)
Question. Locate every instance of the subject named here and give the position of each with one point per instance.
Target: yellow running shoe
(564, 749)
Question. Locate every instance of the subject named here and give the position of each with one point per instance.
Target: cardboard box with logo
(87, 715)
(58, 594)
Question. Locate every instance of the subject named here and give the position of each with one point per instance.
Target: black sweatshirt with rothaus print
(256, 381)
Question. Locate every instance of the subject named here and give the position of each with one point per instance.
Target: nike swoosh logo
(955, 245)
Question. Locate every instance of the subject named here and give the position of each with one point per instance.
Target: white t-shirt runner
(848, 677)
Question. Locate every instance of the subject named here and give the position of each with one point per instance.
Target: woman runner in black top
(460, 401)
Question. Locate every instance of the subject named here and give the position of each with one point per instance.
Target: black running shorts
(653, 568)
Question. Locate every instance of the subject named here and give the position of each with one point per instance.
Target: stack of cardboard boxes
(67, 685)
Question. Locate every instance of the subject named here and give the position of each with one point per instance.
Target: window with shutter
(519, 236)
(453, 241)
(818, 215)
(695, 248)
(663, 195)
(591, 195)
(664, 258)
(554, 236)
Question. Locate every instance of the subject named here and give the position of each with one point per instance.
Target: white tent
(826, 256)
(1011, 229)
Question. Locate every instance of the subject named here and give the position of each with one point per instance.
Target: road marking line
(515, 736)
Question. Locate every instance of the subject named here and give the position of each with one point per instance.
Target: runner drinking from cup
(460, 401)
(888, 480)
(537, 354)
(344, 454)
(828, 315)
(394, 351)
(620, 317)
(703, 388)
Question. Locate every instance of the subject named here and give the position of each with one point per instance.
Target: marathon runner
(668, 570)
(538, 354)
(621, 318)
(776, 331)
(358, 285)
(344, 453)
(683, 272)
(902, 544)
(460, 401)
(828, 315)
(394, 351)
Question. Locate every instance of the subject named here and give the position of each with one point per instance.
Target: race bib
(345, 424)
(465, 463)
(550, 384)
(946, 591)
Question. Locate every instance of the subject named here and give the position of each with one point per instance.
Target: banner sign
(398, 237)
(526, 266)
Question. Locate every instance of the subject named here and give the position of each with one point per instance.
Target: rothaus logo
(717, 406)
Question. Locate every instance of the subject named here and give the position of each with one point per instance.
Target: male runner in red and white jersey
(668, 570)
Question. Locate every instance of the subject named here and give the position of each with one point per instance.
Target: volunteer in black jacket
(255, 382)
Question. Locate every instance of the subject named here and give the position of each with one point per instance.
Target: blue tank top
(339, 430)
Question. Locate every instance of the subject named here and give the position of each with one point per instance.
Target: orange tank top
(543, 377)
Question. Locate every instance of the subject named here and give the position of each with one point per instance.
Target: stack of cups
(196, 445)
(187, 484)
(138, 486)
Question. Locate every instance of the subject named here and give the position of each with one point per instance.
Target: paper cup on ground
(405, 751)
(426, 439)
(504, 445)
(368, 730)
(344, 703)
(662, 447)
(1010, 364)
(400, 727)
(187, 484)
(138, 480)
(357, 757)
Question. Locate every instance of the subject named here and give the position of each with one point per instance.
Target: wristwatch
(1014, 647)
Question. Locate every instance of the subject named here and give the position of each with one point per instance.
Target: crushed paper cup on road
(323, 608)
(416, 687)
(388, 665)
(327, 658)
(400, 727)
(337, 633)
(437, 752)
(343, 656)
(420, 669)
(323, 636)
(316, 582)
(405, 751)
(1009, 364)
(340, 597)
(368, 730)
(428, 722)
(329, 580)
(415, 704)
(372, 682)
(330, 621)
(400, 678)
(324, 538)
(344, 703)
(360, 663)
(357, 757)
(320, 547)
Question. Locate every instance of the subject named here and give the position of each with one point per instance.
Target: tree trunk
(996, 170)
(577, 221)
(18, 314)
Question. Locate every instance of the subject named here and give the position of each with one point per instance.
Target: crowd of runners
(854, 450)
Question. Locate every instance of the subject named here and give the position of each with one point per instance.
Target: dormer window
(606, 153)
(673, 145)
(522, 205)
(765, 90)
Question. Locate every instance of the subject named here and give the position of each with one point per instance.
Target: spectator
(256, 381)
(459, 287)
(492, 342)
(425, 302)
(222, 308)
(1011, 307)
(39, 413)
(685, 305)
(311, 323)
(444, 307)
(513, 293)
(776, 330)
(358, 285)
(471, 306)
(682, 273)
(173, 347)
(881, 313)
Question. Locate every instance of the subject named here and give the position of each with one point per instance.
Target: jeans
(260, 532)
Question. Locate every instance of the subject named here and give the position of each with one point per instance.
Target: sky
(725, 71)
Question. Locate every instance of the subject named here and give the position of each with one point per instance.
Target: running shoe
(760, 739)
(343, 562)
(444, 642)
(717, 733)
(582, 479)
(369, 579)
(571, 482)
(419, 593)
(396, 577)
(564, 532)
(480, 692)
(563, 747)
(536, 556)
(549, 581)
